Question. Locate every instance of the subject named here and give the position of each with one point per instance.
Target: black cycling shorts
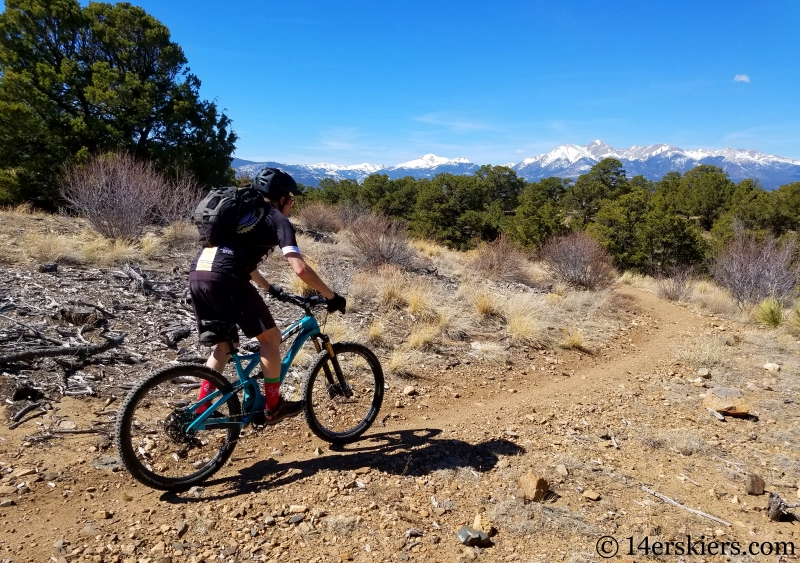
(220, 297)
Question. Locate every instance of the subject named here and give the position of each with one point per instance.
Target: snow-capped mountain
(429, 166)
(654, 161)
(566, 161)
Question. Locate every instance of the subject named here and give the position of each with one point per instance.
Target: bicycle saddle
(214, 332)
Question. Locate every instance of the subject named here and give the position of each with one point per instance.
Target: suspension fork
(339, 385)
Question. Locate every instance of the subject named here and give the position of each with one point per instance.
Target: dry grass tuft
(489, 352)
(423, 336)
(428, 248)
(703, 353)
(420, 300)
(713, 298)
(392, 287)
(682, 441)
(536, 519)
(181, 235)
(151, 246)
(51, 248)
(633, 279)
(486, 303)
(524, 324)
(377, 333)
(677, 286)
(399, 362)
(96, 249)
(573, 340)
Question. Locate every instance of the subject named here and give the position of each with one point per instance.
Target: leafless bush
(321, 217)
(578, 260)
(753, 270)
(500, 260)
(350, 214)
(381, 241)
(179, 197)
(676, 286)
(115, 192)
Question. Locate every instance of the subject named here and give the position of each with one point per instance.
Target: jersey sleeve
(286, 238)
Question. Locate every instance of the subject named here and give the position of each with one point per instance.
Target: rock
(754, 485)
(469, 554)
(304, 527)
(298, 509)
(197, 491)
(23, 472)
(102, 515)
(7, 490)
(317, 452)
(88, 531)
(7, 502)
(726, 400)
(533, 486)
(346, 556)
(409, 391)
(562, 470)
(181, 527)
(47, 268)
(471, 537)
(269, 521)
(67, 425)
(477, 524)
(296, 518)
(111, 464)
(773, 367)
(589, 494)
(705, 373)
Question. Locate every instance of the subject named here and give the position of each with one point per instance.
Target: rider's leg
(269, 342)
(216, 361)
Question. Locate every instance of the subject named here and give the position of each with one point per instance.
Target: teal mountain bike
(170, 440)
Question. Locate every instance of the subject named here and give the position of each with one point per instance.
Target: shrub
(677, 286)
(320, 217)
(753, 270)
(579, 260)
(769, 313)
(120, 195)
(180, 234)
(380, 240)
(500, 260)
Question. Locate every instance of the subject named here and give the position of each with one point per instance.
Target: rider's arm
(307, 274)
(260, 280)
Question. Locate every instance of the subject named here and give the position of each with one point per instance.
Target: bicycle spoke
(337, 410)
(154, 439)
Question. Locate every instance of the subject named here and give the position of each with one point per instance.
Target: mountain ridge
(566, 161)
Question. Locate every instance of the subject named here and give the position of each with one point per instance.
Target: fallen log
(63, 351)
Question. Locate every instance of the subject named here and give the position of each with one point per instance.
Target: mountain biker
(219, 284)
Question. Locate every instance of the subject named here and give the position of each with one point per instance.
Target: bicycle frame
(305, 328)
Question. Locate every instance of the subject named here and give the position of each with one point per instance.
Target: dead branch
(36, 332)
(29, 408)
(681, 506)
(79, 431)
(63, 351)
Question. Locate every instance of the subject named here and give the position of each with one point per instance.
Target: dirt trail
(515, 423)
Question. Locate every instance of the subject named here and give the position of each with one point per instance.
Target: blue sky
(350, 81)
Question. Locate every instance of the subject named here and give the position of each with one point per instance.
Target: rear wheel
(152, 439)
(342, 413)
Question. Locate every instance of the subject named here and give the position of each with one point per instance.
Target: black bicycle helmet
(274, 182)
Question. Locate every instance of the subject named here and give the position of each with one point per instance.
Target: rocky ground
(546, 452)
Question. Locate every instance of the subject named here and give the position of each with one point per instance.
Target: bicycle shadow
(412, 452)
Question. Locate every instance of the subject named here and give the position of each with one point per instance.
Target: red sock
(272, 389)
(205, 390)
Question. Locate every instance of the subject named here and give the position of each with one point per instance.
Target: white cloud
(741, 78)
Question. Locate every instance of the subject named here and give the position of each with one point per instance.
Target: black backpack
(218, 214)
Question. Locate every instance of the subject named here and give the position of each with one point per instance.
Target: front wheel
(341, 404)
(153, 439)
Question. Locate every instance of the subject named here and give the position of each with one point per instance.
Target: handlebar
(306, 303)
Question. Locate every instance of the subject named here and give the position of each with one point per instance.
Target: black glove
(275, 292)
(337, 303)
